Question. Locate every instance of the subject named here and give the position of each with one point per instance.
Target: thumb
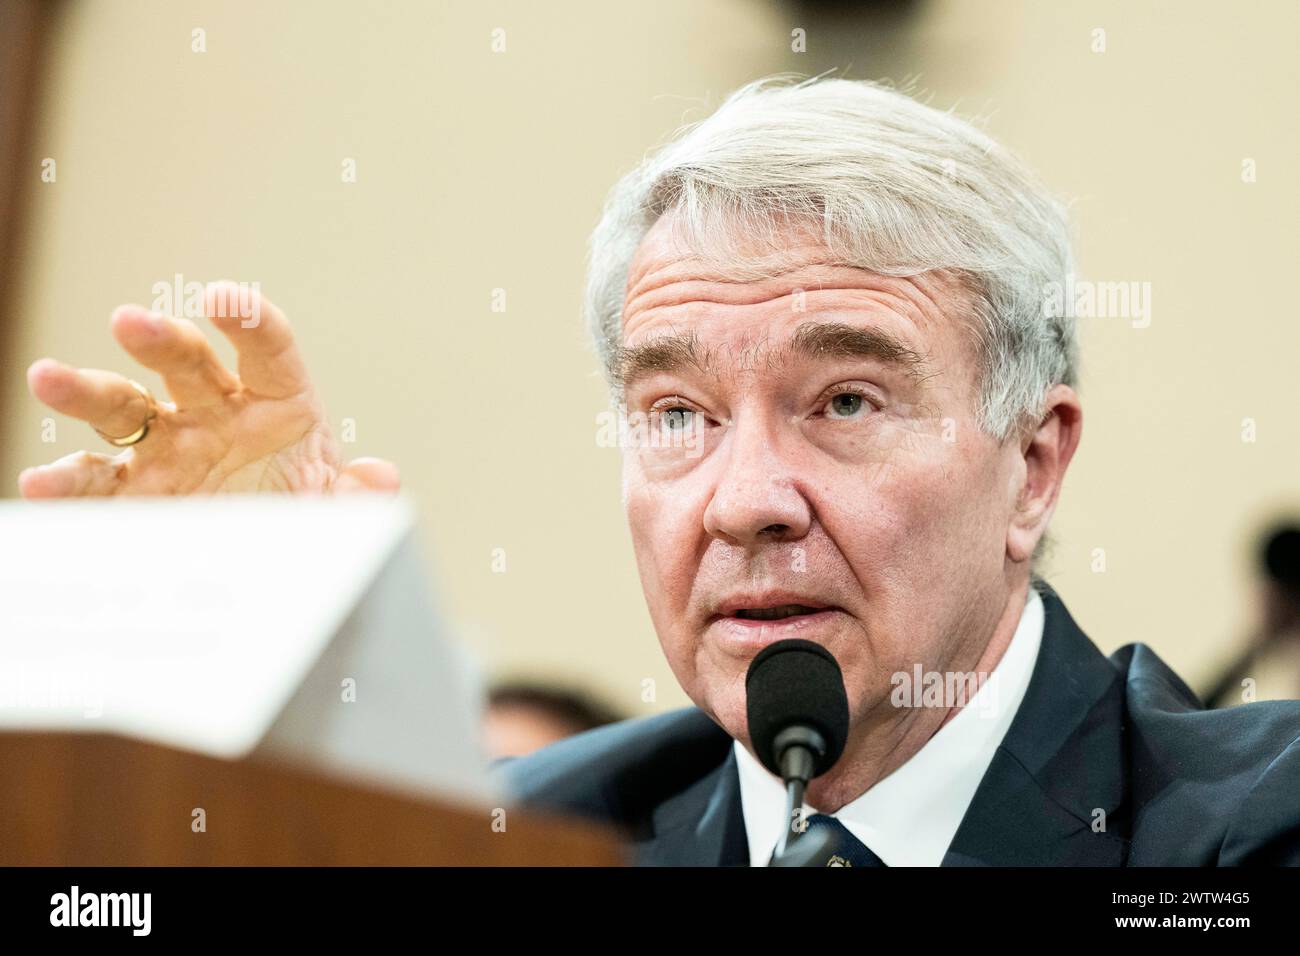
(368, 474)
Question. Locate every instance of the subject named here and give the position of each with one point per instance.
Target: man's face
(839, 478)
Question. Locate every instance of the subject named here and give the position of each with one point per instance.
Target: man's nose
(757, 498)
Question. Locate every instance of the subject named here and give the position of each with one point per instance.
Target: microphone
(798, 714)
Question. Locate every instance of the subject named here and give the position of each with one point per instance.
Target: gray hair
(893, 186)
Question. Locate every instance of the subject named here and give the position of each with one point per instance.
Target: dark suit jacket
(1180, 785)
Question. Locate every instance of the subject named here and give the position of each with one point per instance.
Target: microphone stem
(794, 790)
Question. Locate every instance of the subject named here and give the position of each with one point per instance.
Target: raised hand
(262, 429)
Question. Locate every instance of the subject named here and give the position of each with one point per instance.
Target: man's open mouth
(775, 613)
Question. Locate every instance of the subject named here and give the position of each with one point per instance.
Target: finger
(80, 474)
(368, 474)
(105, 400)
(269, 362)
(178, 350)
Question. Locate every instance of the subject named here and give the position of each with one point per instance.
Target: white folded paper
(296, 626)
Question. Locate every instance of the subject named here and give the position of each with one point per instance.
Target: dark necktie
(846, 849)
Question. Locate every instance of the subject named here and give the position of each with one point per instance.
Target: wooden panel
(96, 800)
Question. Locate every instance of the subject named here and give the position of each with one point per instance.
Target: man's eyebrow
(665, 353)
(677, 352)
(841, 340)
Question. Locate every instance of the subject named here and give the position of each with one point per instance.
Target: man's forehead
(666, 255)
(775, 304)
(669, 283)
(743, 325)
(682, 351)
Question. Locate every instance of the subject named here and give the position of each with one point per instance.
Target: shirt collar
(911, 817)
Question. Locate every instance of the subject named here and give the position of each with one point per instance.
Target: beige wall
(481, 170)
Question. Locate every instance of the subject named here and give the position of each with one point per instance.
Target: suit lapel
(1060, 766)
(702, 825)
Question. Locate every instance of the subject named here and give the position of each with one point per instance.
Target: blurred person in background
(1269, 668)
(523, 716)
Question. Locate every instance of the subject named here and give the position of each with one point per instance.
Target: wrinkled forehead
(671, 252)
(752, 301)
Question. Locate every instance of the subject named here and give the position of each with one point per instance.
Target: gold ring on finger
(137, 435)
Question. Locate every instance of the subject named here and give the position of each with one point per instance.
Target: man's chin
(728, 712)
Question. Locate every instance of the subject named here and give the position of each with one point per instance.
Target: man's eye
(845, 405)
(675, 419)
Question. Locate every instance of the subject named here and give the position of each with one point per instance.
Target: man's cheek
(874, 525)
(907, 501)
(663, 542)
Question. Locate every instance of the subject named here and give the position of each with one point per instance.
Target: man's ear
(1047, 451)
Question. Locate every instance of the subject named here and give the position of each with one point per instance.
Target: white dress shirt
(910, 817)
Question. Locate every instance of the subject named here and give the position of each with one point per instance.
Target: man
(822, 311)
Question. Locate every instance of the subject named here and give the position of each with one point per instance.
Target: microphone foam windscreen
(796, 682)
